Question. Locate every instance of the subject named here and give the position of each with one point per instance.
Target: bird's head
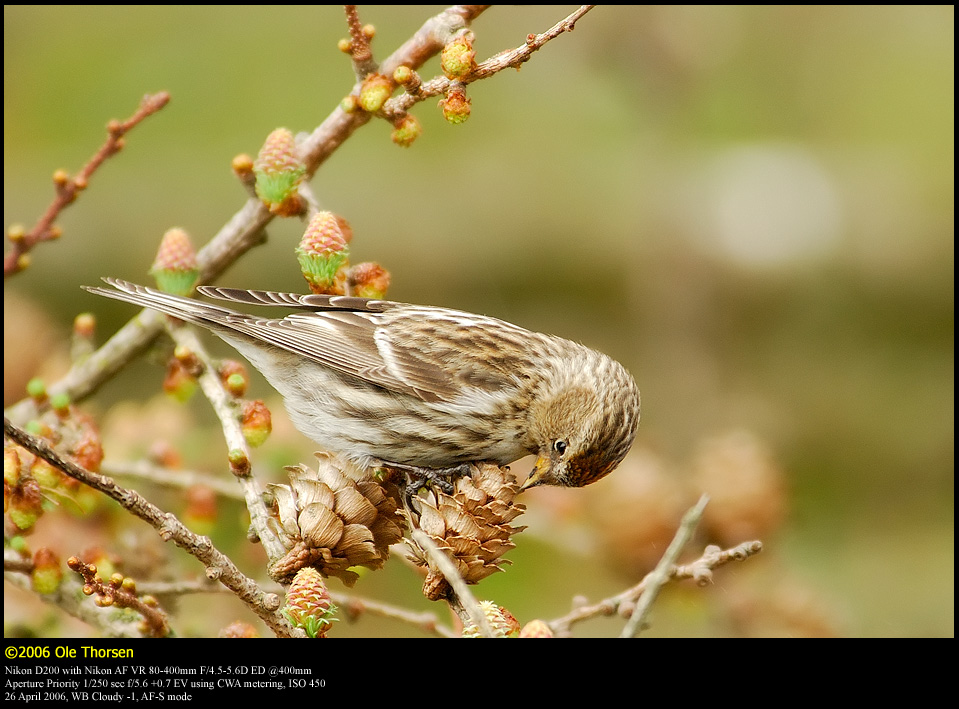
(583, 426)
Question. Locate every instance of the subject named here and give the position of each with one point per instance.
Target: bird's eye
(559, 446)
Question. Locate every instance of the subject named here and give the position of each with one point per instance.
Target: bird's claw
(418, 478)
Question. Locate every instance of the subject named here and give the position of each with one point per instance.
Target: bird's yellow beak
(537, 473)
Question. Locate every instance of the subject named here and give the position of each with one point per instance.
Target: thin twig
(661, 573)
(223, 405)
(700, 570)
(115, 594)
(181, 587)
(360, 52)
(427, 622)
(69, 598)
(169, 477)
(463, 601)
(511, 58)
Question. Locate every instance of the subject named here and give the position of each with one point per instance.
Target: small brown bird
(423, 389)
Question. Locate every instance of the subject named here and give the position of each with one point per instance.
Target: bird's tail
(194, 311)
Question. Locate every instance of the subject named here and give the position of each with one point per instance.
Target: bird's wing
(349, 335)
(433, 353)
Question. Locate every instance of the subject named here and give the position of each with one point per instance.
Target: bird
(423, 389)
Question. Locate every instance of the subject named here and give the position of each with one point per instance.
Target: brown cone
(330, 521)
(471, 526)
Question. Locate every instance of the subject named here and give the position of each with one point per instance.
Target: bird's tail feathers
(188, 309)
(297, 301)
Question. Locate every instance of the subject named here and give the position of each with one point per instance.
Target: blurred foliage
(750, 207)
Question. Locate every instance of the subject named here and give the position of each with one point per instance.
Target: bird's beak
(537, 474)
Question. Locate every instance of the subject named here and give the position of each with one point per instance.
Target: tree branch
(661, 574)
(223, 406)
(511, 58)
(69, 189)
(701, 570)
(218, 565)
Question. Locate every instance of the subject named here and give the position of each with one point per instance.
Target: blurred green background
(751, 207)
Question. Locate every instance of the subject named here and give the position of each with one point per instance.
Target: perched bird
(423, 389)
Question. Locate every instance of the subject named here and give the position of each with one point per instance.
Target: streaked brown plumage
(386, 383)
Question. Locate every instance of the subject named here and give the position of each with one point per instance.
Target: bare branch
(115, 593)
(68, 189)
(223, 406)
(70, 599)
(700, 570)
(504, 60)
